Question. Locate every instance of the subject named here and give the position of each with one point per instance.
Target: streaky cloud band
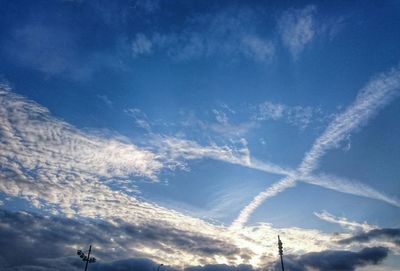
(380, 91)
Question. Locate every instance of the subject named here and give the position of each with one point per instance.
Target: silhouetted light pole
(87, 258)
(158, 268)
(280, 248)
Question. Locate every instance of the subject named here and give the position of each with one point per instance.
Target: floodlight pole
(280, 252)
(88, 257)
(85, 258)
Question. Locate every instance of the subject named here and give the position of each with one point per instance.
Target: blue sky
(211, 126)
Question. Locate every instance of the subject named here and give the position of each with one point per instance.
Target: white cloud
(149, 6)
(54, 165)
(344, 222)
(43, 47)
(220, 116)
(232, 124)
(30, 134)
(141, 119)
(105, 100)
(271, 191)
(141, 45)
(228, 129)
(52, 50)
(230, 34)
(258, 49)
(174, 151)
(268, 110)
(299, 116)
(348, 186)
(43, 143)
(373, 97)
(224, 127)
(39, 148)
(297, 28)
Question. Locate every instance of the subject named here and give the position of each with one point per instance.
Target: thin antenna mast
(280, 248)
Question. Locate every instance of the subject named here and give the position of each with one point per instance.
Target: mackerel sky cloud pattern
(191, 134)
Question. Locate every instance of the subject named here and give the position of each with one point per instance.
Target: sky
(193, 133)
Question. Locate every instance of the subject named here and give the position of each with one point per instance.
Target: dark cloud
(128, 264)
(220, 267)
(331, 260)
(143, 264)
(43, 240)
(30, 241)
(187, 241)
(392, 235)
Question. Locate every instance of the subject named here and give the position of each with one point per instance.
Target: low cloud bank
(33, 242)
(392, 235)
(330, 260)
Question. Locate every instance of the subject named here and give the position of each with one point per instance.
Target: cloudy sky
(193, 133)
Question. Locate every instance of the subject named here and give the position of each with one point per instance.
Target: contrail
(378, 93)
(271, 191)
(350, 187)
(268, 167)
(373, 97)
(343, 222)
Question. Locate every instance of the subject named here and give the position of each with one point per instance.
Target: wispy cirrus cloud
(233, 33)
(374, 96)
(297, 28)
(54, 165)
(141, 119)
(54, 50)
(42, 47)
(62, 170)
(59, 168)
(327, 181)
(141, 45)
(37, 146)
(106, 100)
(299, 116)
(344, 222)
(231, 123)
(349, 186)
(257, 48)
(230, 33)
(175, 151)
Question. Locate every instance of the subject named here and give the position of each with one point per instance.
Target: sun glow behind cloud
(54, 165)
(201, 111)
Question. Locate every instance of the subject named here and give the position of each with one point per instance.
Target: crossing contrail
(380, 91)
